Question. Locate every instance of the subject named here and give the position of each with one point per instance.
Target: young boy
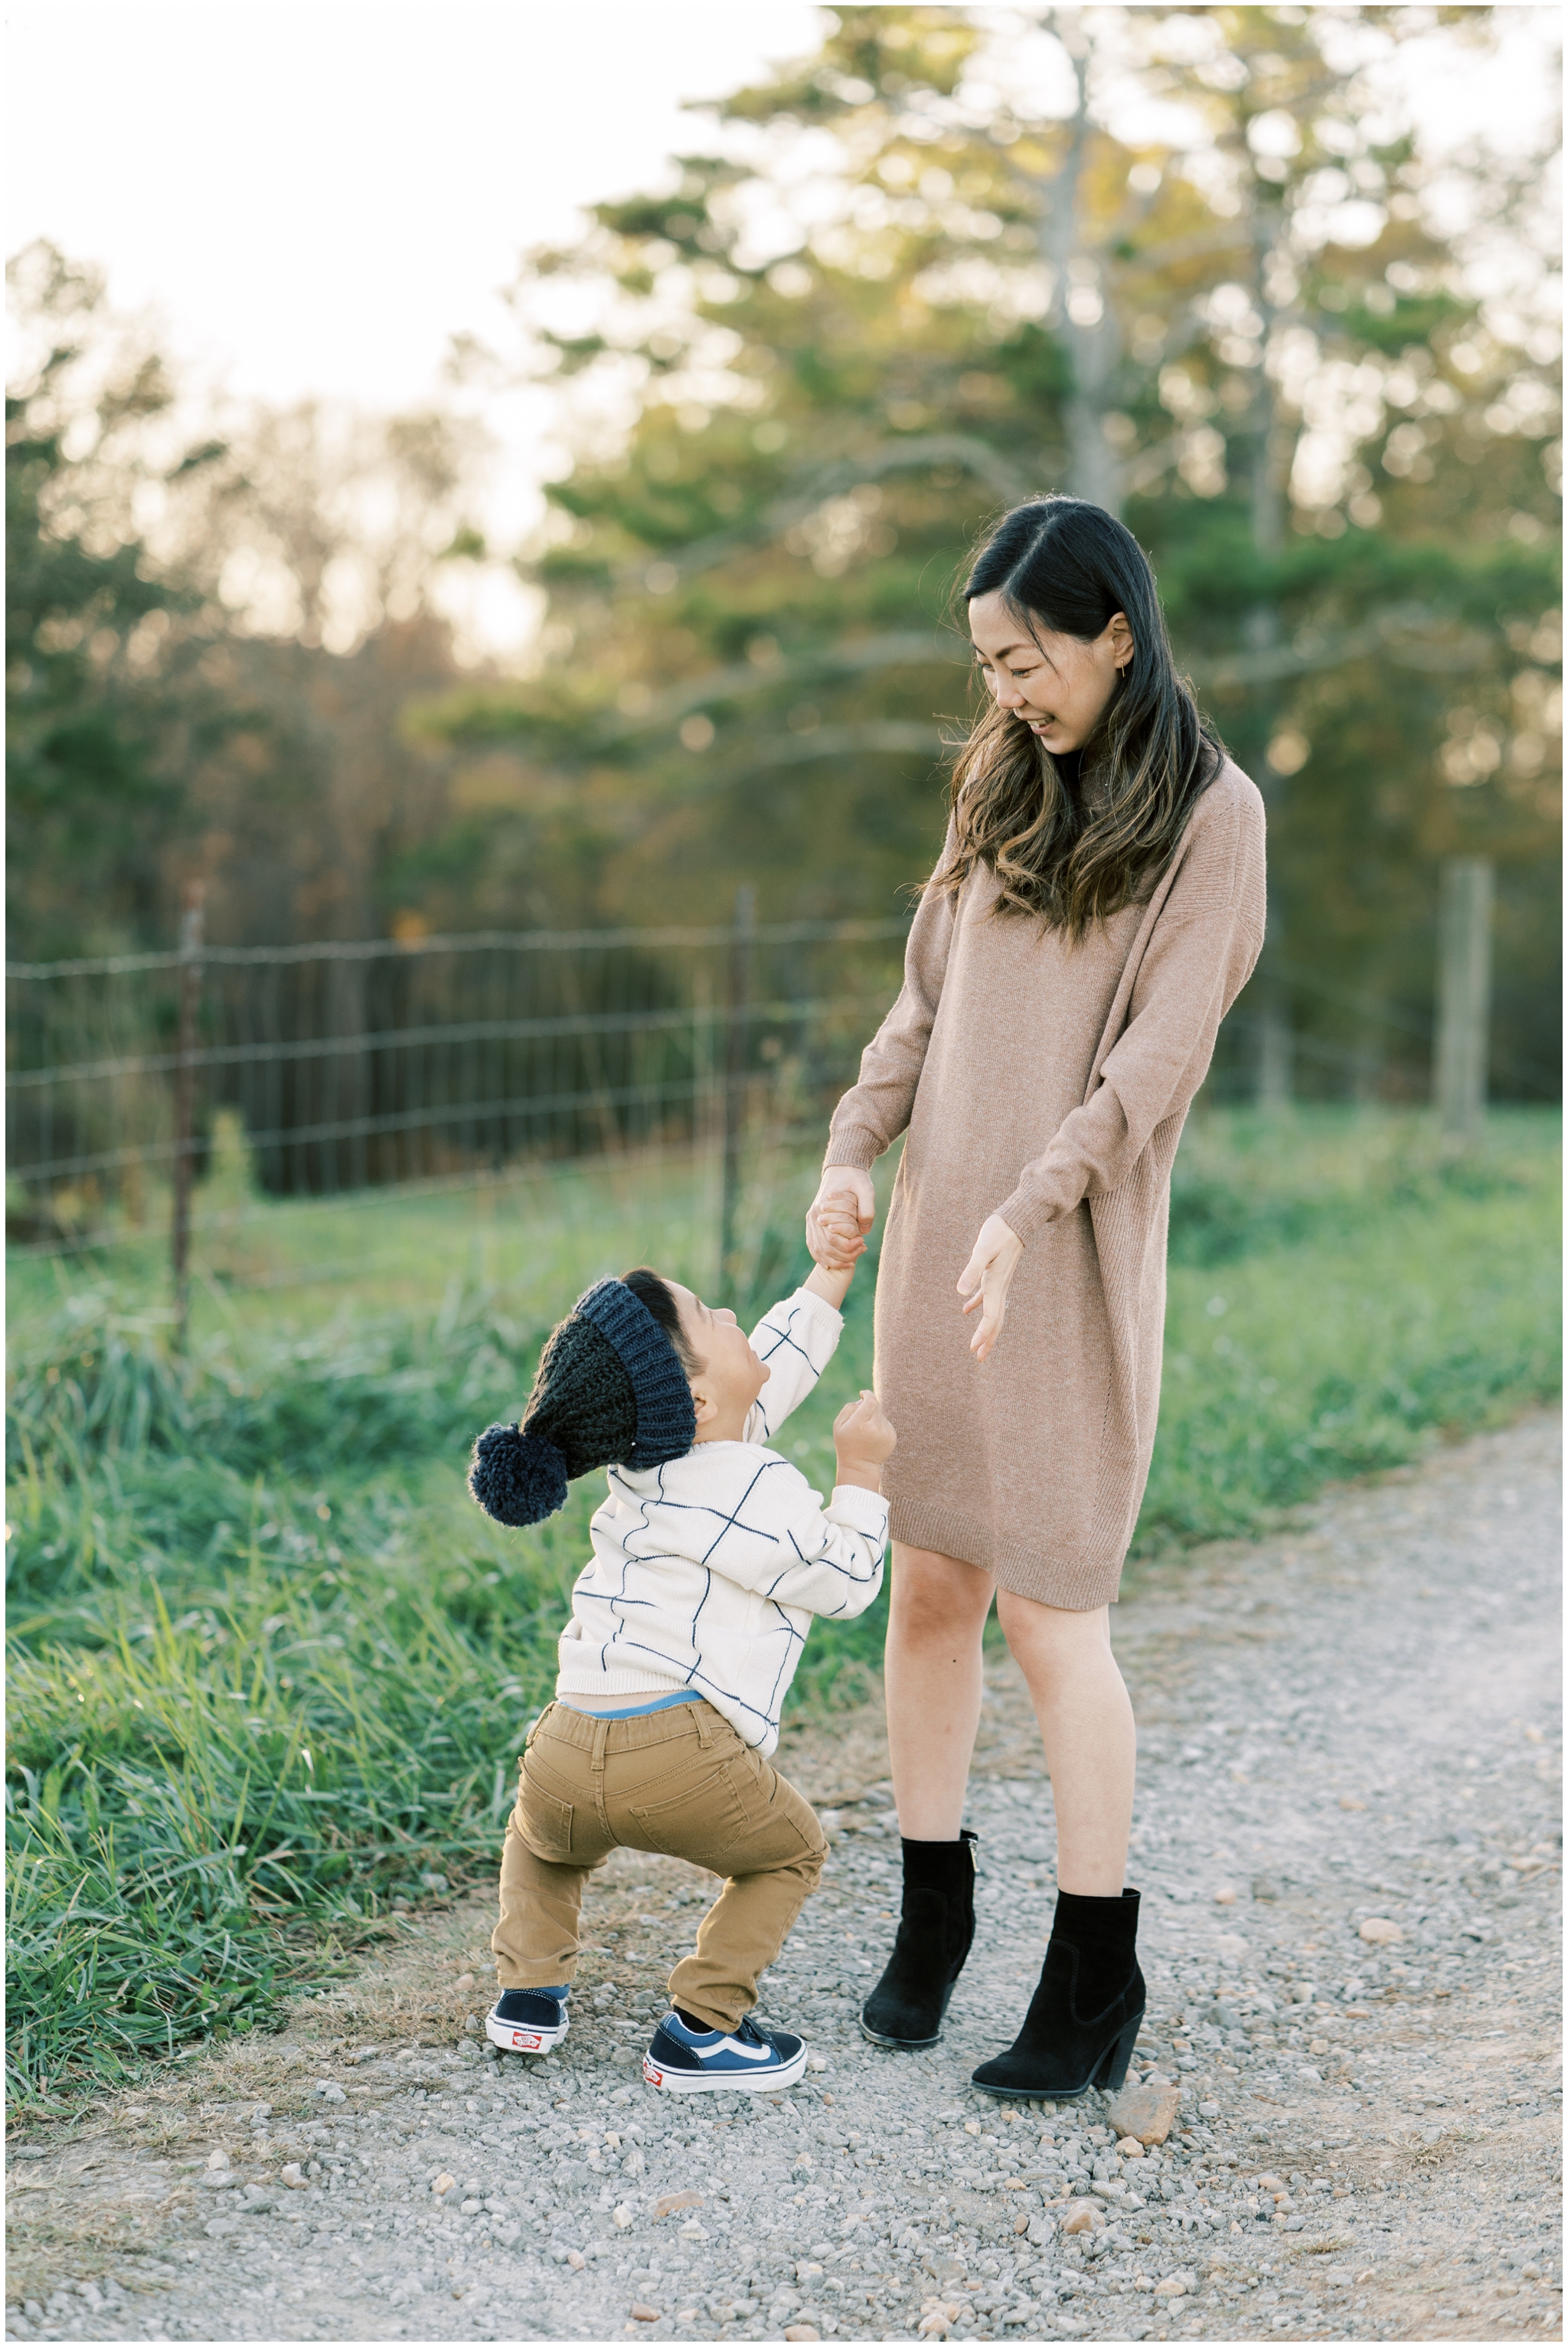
(711, 1555)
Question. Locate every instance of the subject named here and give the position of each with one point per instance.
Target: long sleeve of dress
(871, 1116)
(1203, 949)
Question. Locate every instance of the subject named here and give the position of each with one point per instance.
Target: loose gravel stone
(1145, 2114)
(1324, 2135)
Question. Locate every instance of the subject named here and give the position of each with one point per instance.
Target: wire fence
(345, 1070)
(397, 1065)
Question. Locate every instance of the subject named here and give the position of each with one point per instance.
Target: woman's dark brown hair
(1070, 856)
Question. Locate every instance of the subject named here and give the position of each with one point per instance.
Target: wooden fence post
(737, 1001)
(192, 921)
(1276, 1052)
(1464, 996)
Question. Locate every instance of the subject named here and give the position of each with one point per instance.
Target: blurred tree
(102, 648)
(322, 533)
(833, 365)
(1347, 313)
(899, 296)
(320, 524)
(925, 272)
(211, 637)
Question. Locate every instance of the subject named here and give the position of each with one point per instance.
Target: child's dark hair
(654, 1293)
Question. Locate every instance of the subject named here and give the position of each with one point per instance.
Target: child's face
(731, 1376)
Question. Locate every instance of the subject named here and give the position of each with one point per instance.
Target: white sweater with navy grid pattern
(706, 1571)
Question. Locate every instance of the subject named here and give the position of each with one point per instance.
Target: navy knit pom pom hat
(610, 1390)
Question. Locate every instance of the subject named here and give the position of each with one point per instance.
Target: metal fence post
(192, 921)
(738, 998)
(1464, 996)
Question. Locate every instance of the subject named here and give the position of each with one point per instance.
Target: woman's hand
(843, 1210)
(985, 1278)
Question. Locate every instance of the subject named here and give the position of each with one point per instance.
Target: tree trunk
(1081, 314)
(1276, 1044)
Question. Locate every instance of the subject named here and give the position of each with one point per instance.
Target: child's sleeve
(797, 1338)
(837, 1566)
(824, 1560)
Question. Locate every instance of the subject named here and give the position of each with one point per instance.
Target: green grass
(1341, 1292)
(271, 1669)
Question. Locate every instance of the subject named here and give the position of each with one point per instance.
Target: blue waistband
(627, 1710)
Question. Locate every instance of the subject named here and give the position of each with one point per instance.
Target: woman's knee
(1048, 1638)
(937, 1597)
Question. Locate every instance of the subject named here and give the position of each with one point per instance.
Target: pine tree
(791, 431)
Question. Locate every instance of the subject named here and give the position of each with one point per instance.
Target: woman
(1098, 905)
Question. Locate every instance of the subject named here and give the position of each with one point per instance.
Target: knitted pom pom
(517, 1478)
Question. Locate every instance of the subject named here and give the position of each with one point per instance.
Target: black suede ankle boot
(1082, 2022)
(934, 1931)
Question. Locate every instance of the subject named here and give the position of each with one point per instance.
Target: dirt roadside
(1347, 1838)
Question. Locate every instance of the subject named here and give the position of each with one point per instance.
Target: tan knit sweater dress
(1048, 1082)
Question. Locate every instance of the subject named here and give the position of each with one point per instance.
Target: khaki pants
(678, 1781)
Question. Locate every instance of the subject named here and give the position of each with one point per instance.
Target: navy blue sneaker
(528, 2019)
(754, 2061)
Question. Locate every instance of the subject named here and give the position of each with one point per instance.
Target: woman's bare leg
(937, 1613)
(1090, 1742)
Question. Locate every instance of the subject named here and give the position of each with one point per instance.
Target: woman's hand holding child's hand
(832, 1234)
(864, 1441)
(841, 1214)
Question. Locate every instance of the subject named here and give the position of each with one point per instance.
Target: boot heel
(1113, 2069)
(1090, 1969)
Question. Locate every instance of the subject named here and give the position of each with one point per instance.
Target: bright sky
(317, 193)
(314, 195)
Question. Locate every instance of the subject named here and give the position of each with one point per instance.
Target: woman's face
(1060, 685)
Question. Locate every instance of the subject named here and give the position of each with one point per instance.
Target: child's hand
(864, 1441)
(838, 1220)
(837, 1245)
(835, 1241)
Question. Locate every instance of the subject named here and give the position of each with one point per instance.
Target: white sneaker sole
(761, 2081)
(515, 2037)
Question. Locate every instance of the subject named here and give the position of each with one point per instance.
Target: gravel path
(1347, 1842)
